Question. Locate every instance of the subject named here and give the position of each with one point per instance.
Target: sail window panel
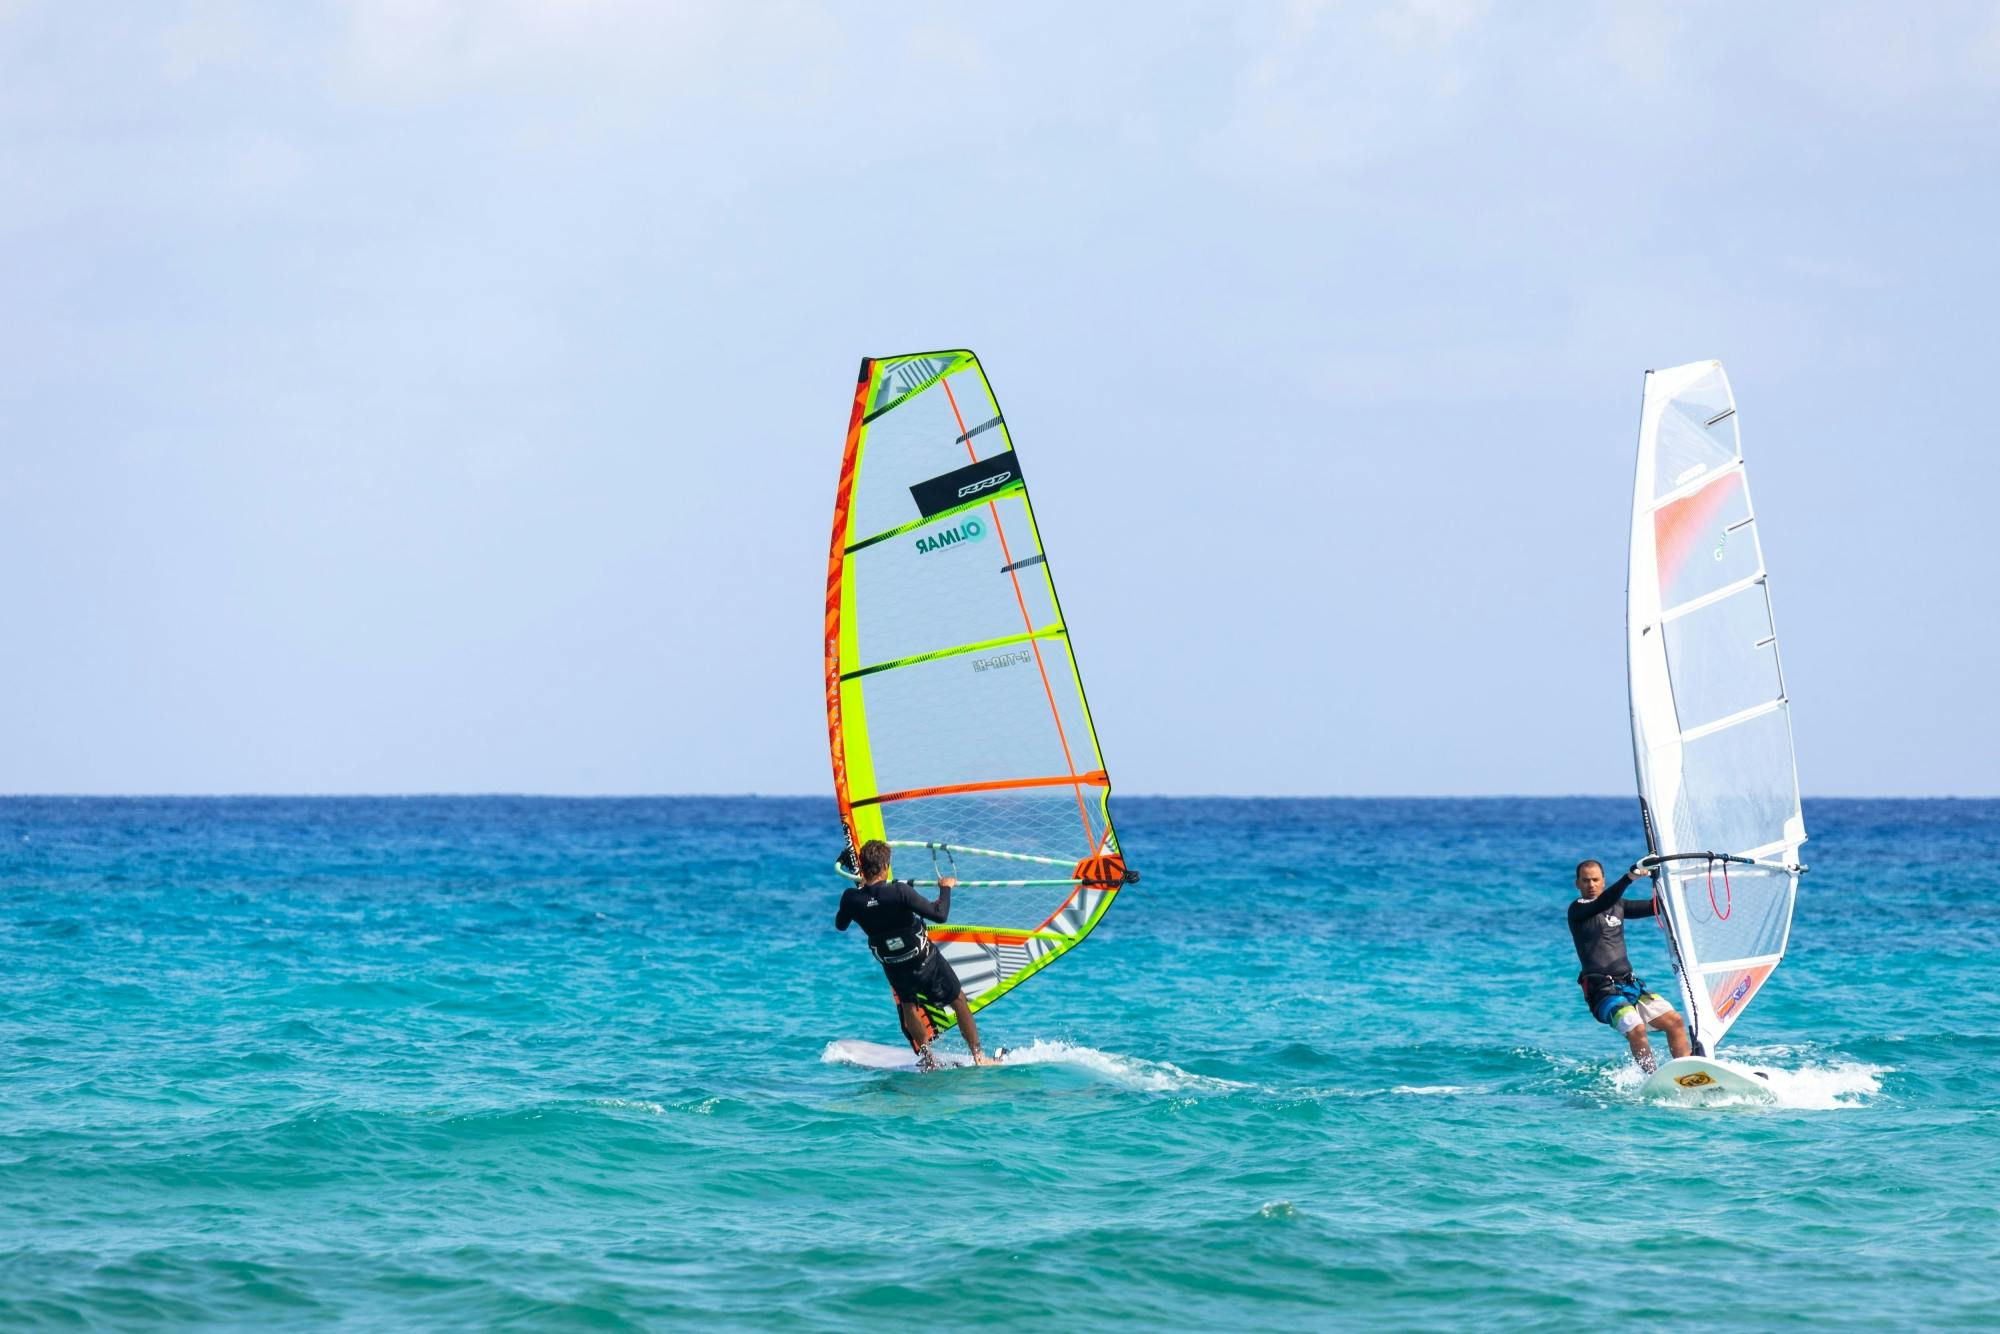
(976, 409)
(1066, 691)
(906, 445)
(1739, 915)
(978, 717)
(1738, 786)
(1041, 823)
(1021, 580)
(1723, 658)
(1704, 542)
(1697, 433)
(946, 584)
(898, 377)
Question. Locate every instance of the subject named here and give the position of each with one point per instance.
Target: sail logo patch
(986, 483)
(971, 530)
(1735, 998)
(966, 483)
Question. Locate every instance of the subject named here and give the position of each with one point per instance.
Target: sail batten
(955, 712)
(1709, 599)
(1711, 718)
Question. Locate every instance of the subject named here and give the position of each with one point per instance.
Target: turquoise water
(565, 1064)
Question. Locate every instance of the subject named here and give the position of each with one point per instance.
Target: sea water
(440, 1062)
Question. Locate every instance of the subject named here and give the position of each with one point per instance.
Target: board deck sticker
(1698, 1079)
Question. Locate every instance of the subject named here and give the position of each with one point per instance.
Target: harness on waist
(902, 949)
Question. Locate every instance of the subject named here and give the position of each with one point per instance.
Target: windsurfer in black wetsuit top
(1615, 997)
(891, 912)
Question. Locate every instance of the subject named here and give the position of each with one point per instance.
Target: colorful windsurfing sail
(1711, 723)
(957, 719)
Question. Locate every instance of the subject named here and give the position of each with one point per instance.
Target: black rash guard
(1598, 927)
(888, 911)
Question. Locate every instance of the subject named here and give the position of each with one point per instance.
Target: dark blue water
(564, 1064)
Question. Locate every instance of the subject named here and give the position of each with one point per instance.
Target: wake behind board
(1699, 1079)
(881, 1056)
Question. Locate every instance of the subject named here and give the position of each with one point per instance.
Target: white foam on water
(1431, 1090)
(630, 1104)
(1626, 1077)
(1815, 1082)
(1819, 1086)
(880, 1056)
(1129, 1071)
(1825, 1086)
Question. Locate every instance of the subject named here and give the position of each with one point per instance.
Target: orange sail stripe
(982, 936)
(1095, 778)
(1026, 620)
(833, 583)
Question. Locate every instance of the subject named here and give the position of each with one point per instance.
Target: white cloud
(1639, 41)
(1420, 23)
(207, 35)
(617, 48)
(1339, 86)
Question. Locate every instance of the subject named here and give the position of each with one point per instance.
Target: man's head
(1590, 878)
(875, 860)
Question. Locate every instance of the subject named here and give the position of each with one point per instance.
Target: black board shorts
(929, 978)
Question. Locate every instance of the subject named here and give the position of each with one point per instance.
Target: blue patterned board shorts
(1624, 1005)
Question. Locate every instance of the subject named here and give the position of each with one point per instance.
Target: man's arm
(937, 910)
(1642, 907)
(841, 918)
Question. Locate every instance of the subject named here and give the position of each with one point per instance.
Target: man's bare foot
(981, 1058)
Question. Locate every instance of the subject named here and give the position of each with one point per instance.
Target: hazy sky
(448, 395)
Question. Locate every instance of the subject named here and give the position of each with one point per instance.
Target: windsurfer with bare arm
(1614, 995)
(892, 914)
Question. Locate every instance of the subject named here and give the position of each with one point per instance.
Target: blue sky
(447, 396)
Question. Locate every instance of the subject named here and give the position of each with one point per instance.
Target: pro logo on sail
(971, 530)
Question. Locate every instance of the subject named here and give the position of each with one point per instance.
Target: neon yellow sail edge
(867, 820)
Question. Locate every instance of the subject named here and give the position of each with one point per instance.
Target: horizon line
(813, 796)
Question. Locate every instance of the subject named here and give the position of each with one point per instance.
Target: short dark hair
(1588, 861)
(874, 858)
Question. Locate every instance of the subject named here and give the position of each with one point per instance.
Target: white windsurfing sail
(1711, 725)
